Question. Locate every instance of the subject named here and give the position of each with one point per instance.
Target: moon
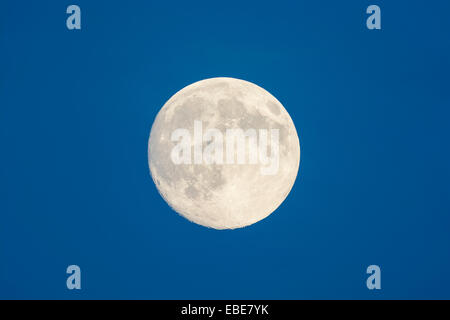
(228, 195)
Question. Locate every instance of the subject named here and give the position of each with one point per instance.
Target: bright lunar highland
(223, 195)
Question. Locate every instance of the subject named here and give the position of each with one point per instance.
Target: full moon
(224, 195)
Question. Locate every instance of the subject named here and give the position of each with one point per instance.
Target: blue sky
(371, 109)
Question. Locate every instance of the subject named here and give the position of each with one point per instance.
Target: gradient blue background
(372, 110)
